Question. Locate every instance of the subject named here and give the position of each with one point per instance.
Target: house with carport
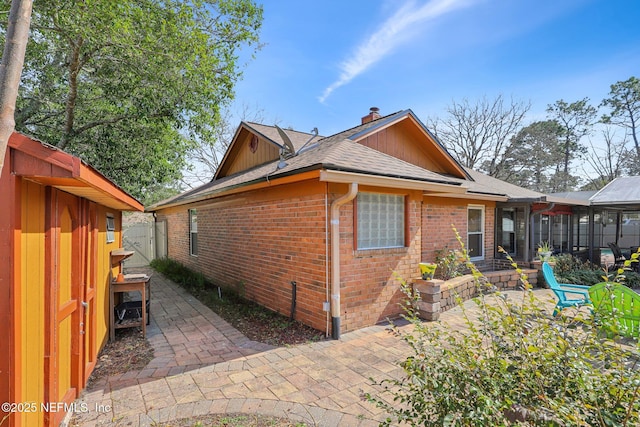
(59, 223)
(322, 228)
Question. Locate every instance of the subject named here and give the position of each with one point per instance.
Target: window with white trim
(475, 231)
(111, 228)
(193, 232)
(381, 220)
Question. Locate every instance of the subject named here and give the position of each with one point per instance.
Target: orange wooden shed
(59, 221)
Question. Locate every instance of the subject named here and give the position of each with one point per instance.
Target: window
(381, 219)
(111, 228)
(475, 232)
(193, 232)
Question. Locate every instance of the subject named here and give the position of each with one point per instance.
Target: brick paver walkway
(203, 365)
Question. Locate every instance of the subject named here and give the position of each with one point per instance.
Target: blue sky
(325, 63)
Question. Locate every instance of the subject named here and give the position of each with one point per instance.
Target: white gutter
(335, 257)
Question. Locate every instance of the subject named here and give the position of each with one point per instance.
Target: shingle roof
(486, 184)
(340, 152)
(334, 153)
(298, 139)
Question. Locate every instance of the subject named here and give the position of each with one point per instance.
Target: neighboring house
(59, 223)
(344, 217)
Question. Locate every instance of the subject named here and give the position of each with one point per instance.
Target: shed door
(65, 328)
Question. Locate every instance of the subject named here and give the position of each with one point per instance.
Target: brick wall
(371, 278)
(439, 214)
(258, 243)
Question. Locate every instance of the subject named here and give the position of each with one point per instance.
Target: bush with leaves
(565, 263)
(450, 264)
(513, 365)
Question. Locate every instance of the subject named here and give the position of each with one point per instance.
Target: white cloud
(390, 35)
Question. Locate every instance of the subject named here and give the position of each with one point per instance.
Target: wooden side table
(132, 282)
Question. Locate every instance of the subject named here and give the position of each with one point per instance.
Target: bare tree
(15, 46)
(479, 134)
(607, 161)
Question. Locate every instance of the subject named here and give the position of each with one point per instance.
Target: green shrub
(515, 365)
(450, 264)
(591, 277)
(180, 274)
(565, 263)
(582, 277)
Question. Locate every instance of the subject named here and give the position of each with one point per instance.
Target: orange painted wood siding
(103, 268)
(32, 301)
(31, 378)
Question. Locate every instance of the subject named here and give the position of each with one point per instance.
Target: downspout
(326, 257)
(335, 257)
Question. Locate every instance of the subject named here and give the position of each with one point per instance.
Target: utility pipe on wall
(335, 257)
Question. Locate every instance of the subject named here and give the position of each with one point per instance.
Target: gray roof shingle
(339, 152)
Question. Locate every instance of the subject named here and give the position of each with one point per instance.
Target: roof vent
(374, 114)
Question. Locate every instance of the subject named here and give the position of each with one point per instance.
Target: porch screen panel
(380, 220)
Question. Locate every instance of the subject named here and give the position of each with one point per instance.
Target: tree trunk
(70, 106)
(11, 67)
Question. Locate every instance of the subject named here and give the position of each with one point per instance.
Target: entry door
(65, 368)
(88, 307)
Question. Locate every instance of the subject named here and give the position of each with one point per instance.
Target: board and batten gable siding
(246, 153)
(407, 141)
(258, 243)
(439, 217)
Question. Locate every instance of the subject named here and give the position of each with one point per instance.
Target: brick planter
(437, 296)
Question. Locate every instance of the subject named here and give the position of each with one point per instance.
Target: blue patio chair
(565, 292)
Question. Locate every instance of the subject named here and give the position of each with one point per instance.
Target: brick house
(342, 217)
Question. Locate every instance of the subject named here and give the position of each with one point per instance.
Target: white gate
(161, 239)
(139, 238)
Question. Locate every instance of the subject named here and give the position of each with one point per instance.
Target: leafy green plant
(544, 246)
(513, 365)
(450, 263)
(568, 262)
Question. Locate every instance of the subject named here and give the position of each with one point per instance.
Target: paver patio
(203, 365)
